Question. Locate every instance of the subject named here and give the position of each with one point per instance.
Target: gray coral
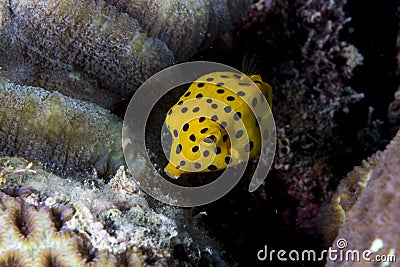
(67, 135)
(110, 225)
(372, 221)
(105, 47)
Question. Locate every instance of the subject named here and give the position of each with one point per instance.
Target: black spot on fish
(230, 98)
(187, 94)
(220, 91)
(206, 153)
(224, 124)
(217, 150)
(239, 133)
(196, 109)
(209, 139)
(195, 149)
(200, 85)
(209, 100)
(210, 79)
(214, 118)
(201, 119)
(199, 96)
(212, 168)
(228, 109)
(184, 110)
(241, 93)
(178, 148)
(224, 138)
(197, 165)
(244, 84)
(182, 163)
(175, 133)
(214, 106)
(254, 102)
(192, 137)
(180, 103)
(204, 130)
(249, 146)
(228, 160)
(237, 76)
(185, 127)
(237, 116)
(220, 84)
(224, 76)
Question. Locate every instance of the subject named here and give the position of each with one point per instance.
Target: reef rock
(332, 215)
(46, 220)
(33, 234)
(372, 221)
(96, 49)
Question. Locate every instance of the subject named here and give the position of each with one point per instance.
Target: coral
(67, 135)
(35, 235)
(105, 48)
(185, 25)
(372, 221)
(332, 215)
(112, 222)
(394, 109)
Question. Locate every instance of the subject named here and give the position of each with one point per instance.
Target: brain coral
(68, 135)
(33, 235)
(43, 214)
(113, 45)
(372, 223)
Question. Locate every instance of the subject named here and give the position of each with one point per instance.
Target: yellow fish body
(212, 126)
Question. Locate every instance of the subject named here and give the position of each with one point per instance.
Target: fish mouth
(173, 172)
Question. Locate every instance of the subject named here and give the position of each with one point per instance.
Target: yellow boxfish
(213, 125)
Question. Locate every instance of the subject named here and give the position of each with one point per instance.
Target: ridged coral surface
(109, 46)
(373, 221)
(29, 236)
(68, 135)
(107, 225)
(333, 214)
